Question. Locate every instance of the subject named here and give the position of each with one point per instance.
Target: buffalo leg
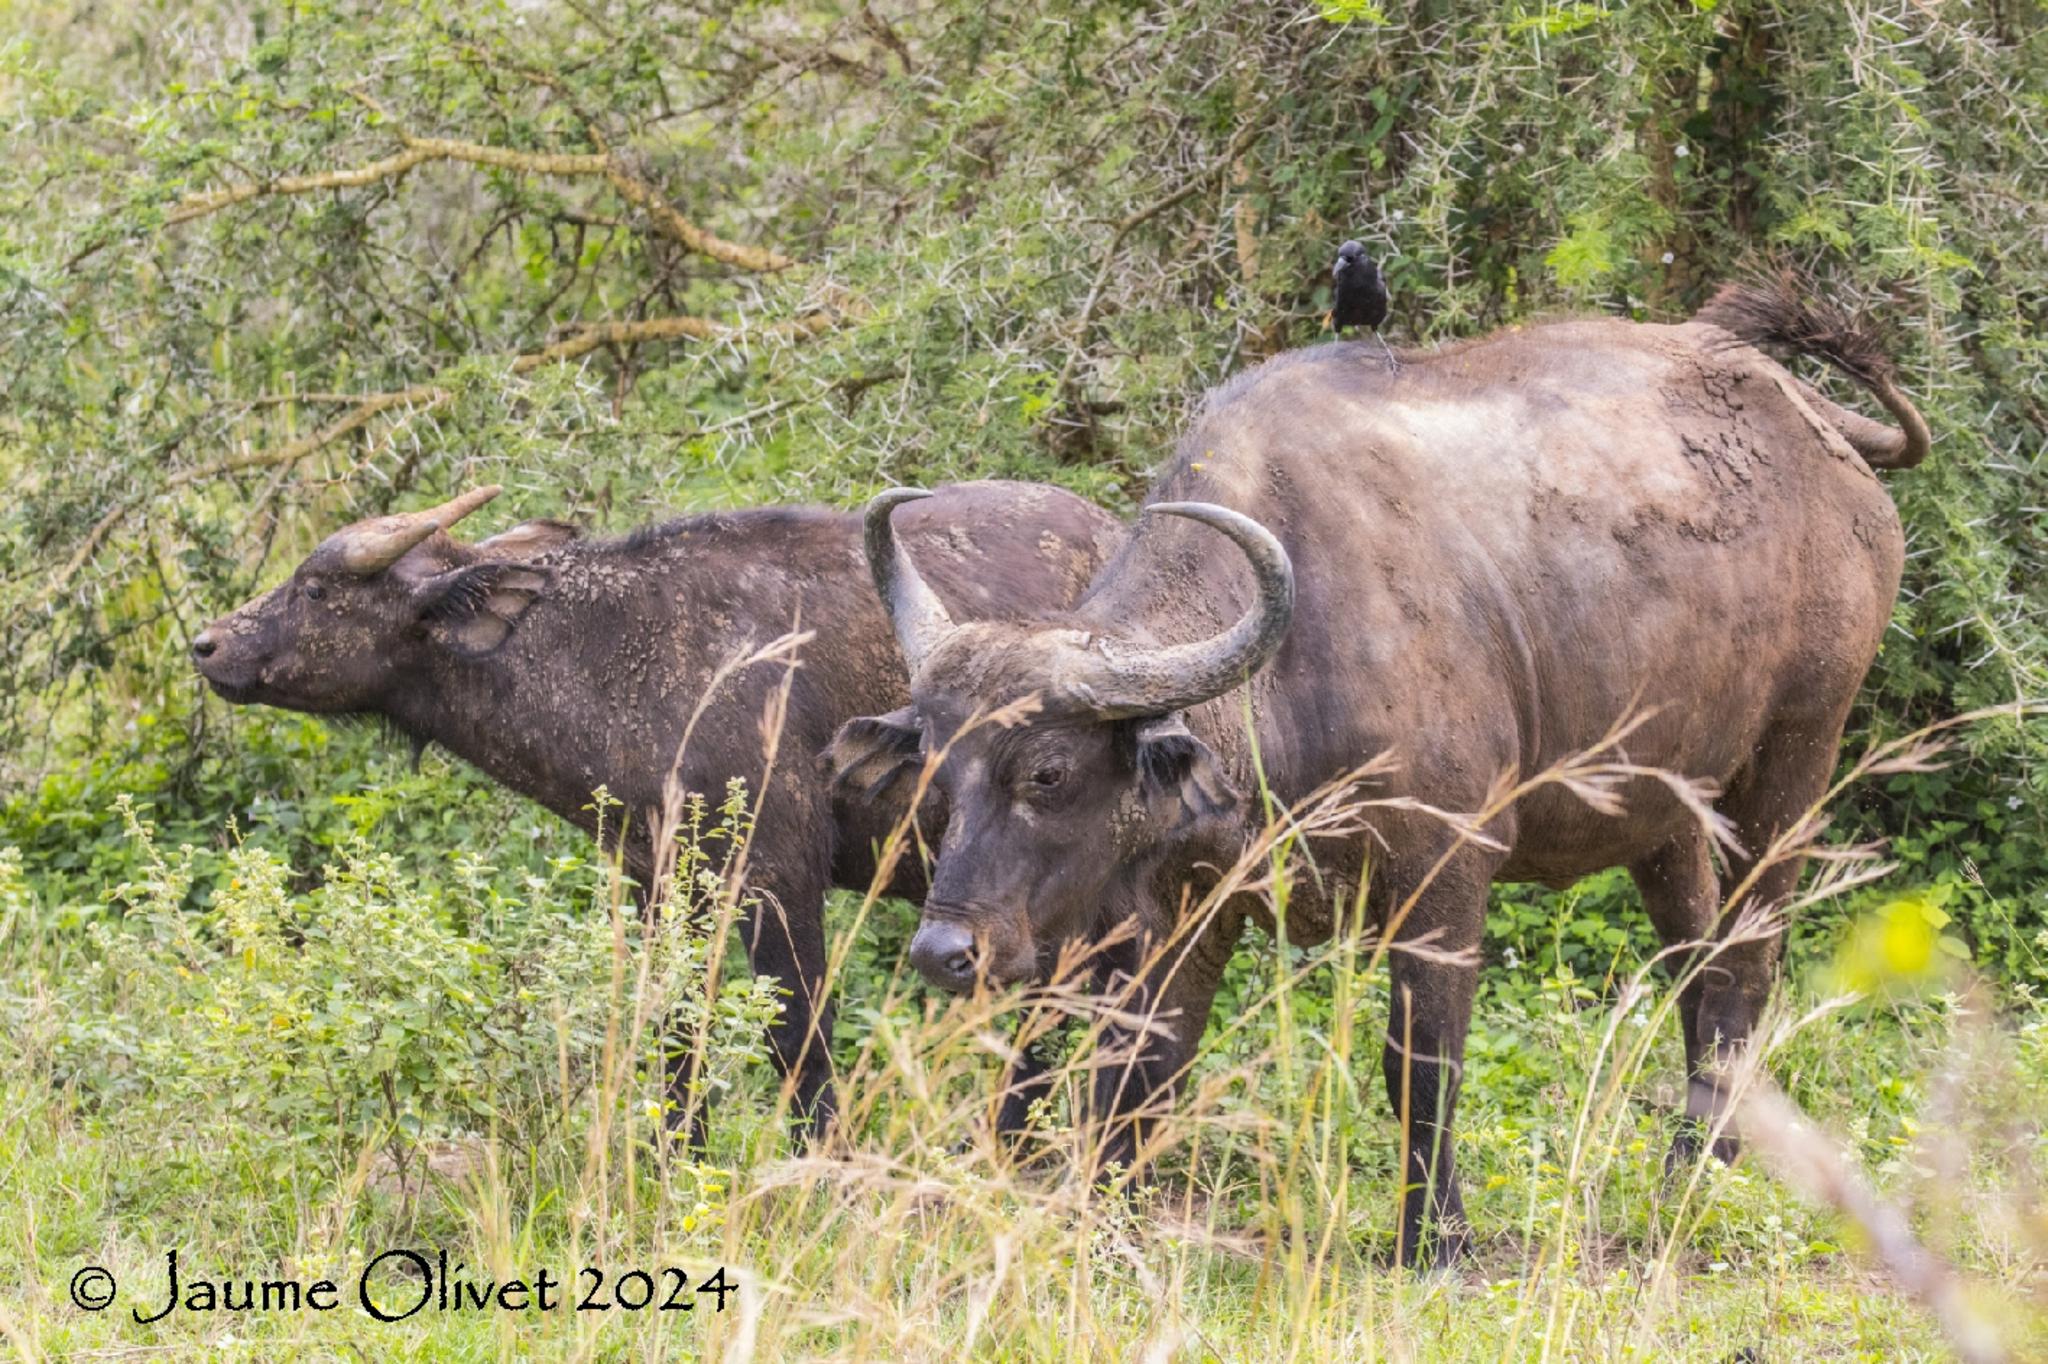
(685, 1117)
(1028, 1079)
(1682, 897)
(1735, 984)
(785, 936)
(1141, 1074)
(1428, 1015)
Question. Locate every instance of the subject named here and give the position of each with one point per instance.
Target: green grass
(172, 1086)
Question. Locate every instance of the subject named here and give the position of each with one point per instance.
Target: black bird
(1359, 298)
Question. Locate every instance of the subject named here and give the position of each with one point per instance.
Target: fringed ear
(869, 754)
(527, 540)
(1173, 762)
(474, 609)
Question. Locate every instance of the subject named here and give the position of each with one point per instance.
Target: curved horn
(919, 617)
(370, 547)
(1126, 681)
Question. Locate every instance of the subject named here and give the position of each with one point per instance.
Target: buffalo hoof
(811, 1124)
(1440, 1253)
(1690, 1141)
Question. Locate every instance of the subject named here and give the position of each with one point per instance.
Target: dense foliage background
(266, 268)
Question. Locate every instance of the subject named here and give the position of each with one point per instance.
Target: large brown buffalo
(1477, 563)
(559, 664)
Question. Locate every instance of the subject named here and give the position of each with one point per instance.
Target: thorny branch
(418, 398)
(1131, 222)
(611, 166)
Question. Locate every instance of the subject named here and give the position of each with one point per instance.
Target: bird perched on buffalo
(1359, 296)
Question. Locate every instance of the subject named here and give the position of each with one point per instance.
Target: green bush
(299, 1030)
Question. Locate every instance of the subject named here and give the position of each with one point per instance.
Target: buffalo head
(355, 618)
(1059, 814)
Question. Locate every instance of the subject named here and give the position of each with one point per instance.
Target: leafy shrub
(301, 1029)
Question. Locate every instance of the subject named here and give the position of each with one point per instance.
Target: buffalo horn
(370, 547)
(915, 611)
(1120, 680)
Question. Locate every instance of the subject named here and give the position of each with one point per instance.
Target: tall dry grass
(1267, 1231)
(917, 1232)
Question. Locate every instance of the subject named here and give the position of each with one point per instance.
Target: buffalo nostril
(943, 953)
(204, 646)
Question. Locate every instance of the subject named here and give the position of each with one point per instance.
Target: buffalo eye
(315, 592)
(1048, 778)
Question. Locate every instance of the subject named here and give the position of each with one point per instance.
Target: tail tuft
(1776, 311)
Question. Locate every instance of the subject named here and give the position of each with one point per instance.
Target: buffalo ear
(1172, 762)
(474, 609)
(869, 754)
(527, 540)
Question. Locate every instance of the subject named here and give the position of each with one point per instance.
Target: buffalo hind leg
(1682, 896)
(1791, 773)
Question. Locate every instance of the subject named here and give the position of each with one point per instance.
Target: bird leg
(1392, 363)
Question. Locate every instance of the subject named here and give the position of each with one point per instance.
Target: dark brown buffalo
(1488, 557)
(558, 665)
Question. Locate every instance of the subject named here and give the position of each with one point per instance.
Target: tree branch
(635, 190)
(199, 205)
(419, 398)
(1136, 219)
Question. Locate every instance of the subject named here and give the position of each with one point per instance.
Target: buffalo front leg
(1139, 1071)
(1029, 1079)
(784, 930)
(1430, 1011)
(785, 936)
(1435, 972)
(684, 1117)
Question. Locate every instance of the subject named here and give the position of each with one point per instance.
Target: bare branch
(199, 205)
(419, 398)
(635, 190)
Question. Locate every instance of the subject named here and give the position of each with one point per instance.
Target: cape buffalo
(1500, 550)
(558, 664)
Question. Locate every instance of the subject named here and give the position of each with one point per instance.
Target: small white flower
(2012, 802)
(1667, 258)
(1399, 215)
(1681, 150)
(1517, 148)
(1511, 959)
